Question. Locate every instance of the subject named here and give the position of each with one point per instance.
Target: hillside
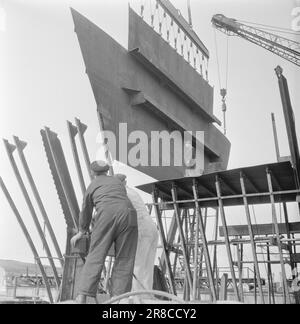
(19, 268)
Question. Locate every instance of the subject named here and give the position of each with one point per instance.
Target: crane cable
(223, 91)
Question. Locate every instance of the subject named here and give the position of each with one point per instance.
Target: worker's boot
(81, 299)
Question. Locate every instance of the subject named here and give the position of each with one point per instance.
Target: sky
(43, 83)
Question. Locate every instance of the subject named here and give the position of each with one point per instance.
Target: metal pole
(215, 264)
(170, 238)
(205, 246)
(270, 275)
(240, 266)
(163, 240)
(28, 238)
(10, 149)
(251, 235)
(227, 241)
(72, 134)
(255, 285)
(181, 234)
(20, 148)
(188, 287)
(196, 255)
(201, 254)
(284, 278)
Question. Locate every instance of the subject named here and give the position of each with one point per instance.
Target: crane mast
(281, 46)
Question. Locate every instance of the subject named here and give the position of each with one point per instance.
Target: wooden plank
(260, 230)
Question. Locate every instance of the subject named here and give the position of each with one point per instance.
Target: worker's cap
(121, 177)
(99, 167)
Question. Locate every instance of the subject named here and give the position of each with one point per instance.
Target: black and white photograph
(150, 159)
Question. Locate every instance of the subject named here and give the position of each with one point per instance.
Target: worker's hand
(76, 238)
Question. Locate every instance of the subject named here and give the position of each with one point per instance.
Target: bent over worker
(147, 241)
(115, 222)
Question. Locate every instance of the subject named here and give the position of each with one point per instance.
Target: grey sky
(43, 83)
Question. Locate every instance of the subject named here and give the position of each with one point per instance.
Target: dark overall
(115, 222)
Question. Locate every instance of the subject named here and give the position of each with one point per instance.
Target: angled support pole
(9, 150)
(277, 232)
(215, 260)
(20, 145)
(181, 235)
(201, 250)
(28, 238)
(73, 131)
(251, 234)
(170, 238)
(227, 240)
(270, 277)
(163, 240)
(201, 226)
(239, 250)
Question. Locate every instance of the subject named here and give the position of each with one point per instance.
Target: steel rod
(196, 255)
(240, 267)
(270, 275)
(215, 264)
(182, 239)
(164, 241)
(284, 278)
(251, 234)
(205, 246)
(227, 241)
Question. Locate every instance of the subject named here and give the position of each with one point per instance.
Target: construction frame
(190, 198)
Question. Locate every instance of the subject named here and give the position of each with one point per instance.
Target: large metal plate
(117, 77)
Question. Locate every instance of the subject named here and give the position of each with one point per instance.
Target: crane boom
(281, 46)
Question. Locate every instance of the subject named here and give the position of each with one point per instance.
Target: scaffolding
(190, 198)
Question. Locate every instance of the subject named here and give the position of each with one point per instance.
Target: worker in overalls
(115, 222)
(147, 241)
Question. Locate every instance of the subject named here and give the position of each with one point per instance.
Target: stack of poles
(20, 147)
